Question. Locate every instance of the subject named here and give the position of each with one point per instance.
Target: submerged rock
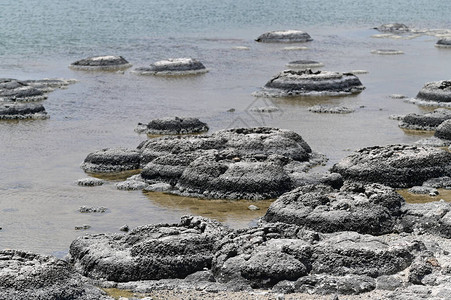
(173, 66)
(50, 84)
(323, 109)
(174, 125)
(148, 252)
(387, 51)
(20, 111)
(395, 165)
(90, 181)
(444, 130)
(437, 91)
(284, 36)
(304, 64)
(428, 121)
(371, 209)
(25, 275)
(311, 83)
(20, 91)
(101, 63)
(444, 43)
(393, 27)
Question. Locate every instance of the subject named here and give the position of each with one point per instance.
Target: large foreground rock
(428, 121)
(101, 63)
(20, 111)
(371, 209)
(284, 36)
(437, 91)
(148, 252)
(395, 165)
(173, 66)
(171, 126)
(250, 163)
(311, 83)
(24, 275)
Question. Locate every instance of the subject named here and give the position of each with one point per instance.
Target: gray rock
(310, 83)
(16, 90)
(174, 125)
(443, 131)
(444, 43)
(158, 187)
(101, 63)
(112, 160)
(440, 182)
(148, 252)
(369, 209)
(437, 91)
(428, 121)
(173, 66)
(395, 165)
(90, 181)
(83, 227)
(423, 190)
(389, 282)
(25, 275)
(92, 209)
(132, 183)
(393, 27)
(124, 228)
(305, 64)
(284, 36)
(344, 285)
(20, 111)
(49, 84)
(323, 109)
(421, 267)
(253, 207)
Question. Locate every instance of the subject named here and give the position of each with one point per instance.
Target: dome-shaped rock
(112, 160)
(174, 125)
(311, 83)
(395, 165)
(284, 36)
(437, 91)
(16, 90)
(19, 111)
(428, 121)
(444, 43)
(173, 66)
(444, 130)
(101, 63)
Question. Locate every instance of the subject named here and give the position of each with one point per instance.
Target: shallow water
(39, 160)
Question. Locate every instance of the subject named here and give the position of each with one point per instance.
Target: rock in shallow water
(173, 66)
(428, 121)
(387, 52)
(444, 43)
(437, 91)
(310, 83)
(20, 111)
(323, 109)
(101, 63)
(30, 276)
(112, 160)
(172, 126)
(393, 27)
(16, 90)
(395, 165)
(284, 36)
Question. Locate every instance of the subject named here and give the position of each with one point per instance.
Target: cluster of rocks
(172, 125)
(17, 97)
(311, 83)
(241, 163)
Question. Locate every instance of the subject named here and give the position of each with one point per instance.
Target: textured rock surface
(284, 36)
(251, 163)
(173, 66)
(311, 83)
(369, 209)
(174, 125)
(393, 27)
(20, 111)
(323, 109)
(444, 43)
(395, 165)
(148, 252)
(101, 63)
(16, 90)
(90, 181)
(428, 121)
(443, 131)
(438, 91)
(30, 276)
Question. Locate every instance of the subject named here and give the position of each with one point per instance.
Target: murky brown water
(39, 160)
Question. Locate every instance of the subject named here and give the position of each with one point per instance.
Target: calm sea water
(39, 160)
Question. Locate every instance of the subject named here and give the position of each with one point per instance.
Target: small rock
(387, 52)
(397, 96)
(444, 43)
(158, 187)
(284, 36)
(265, 109)
(90, 181)
(124, 228)
(173, 126)
(173, 66)
(83, 227)
(393, 27)
(253, 207)
(331, 109)
(231, 110)
(101, 63)
(423, 190)
(87, 209)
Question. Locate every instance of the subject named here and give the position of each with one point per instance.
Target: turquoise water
(40, 160)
